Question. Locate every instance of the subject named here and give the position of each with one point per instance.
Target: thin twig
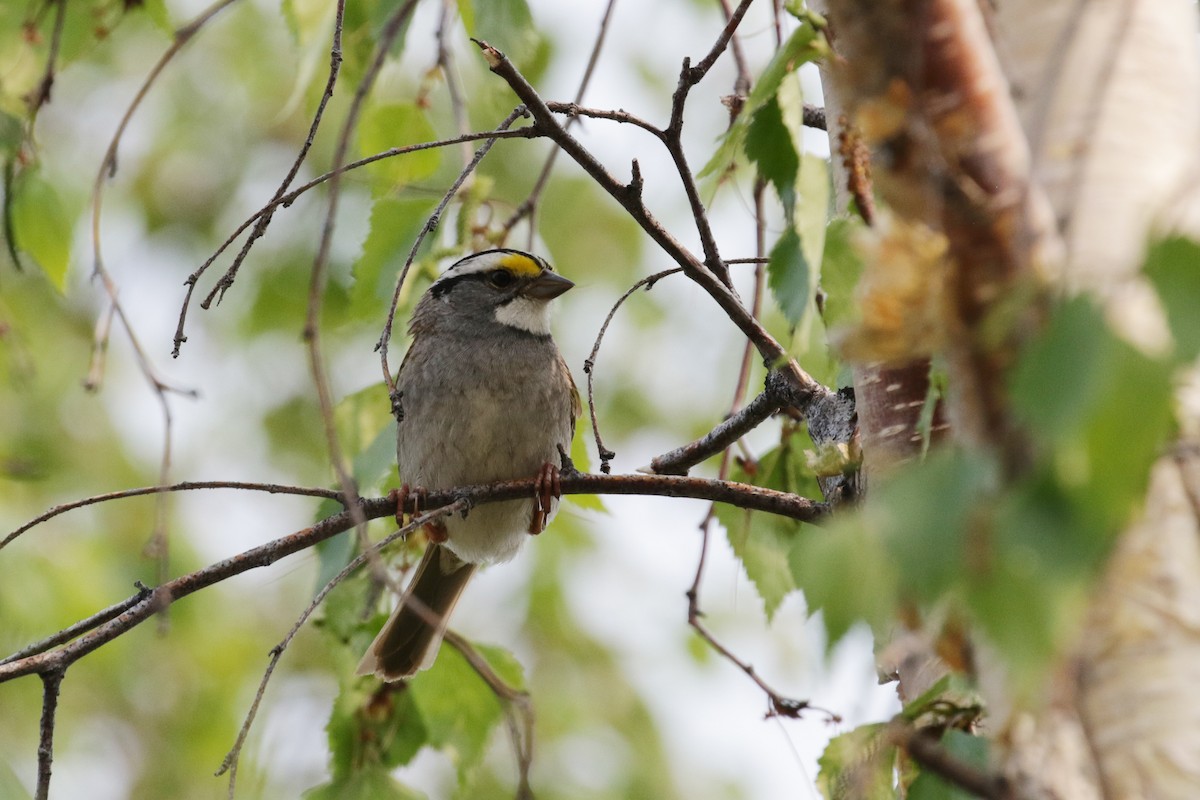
(572, 110)
(158, 545)
(84, 625)
(529, 207)
(779, 705)
(270, 488)
(51, 684)
(291, 197)
(753, 414)
(754, 498)
(40, 96)
(445, 62)
(516, 704)
(689, 76)
(589, 365)
(264, 219)
(230, 762)
(804, 387)
(390, 32)
(430, 225)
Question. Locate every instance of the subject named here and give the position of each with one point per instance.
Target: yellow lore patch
(520, 265)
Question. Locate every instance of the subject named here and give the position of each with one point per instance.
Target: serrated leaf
(459, 710)
(1100, 408)
(506, 25)
(804, 45)
(811, 214)
(366, 784)
(840, 271)
(397, 125)
(927, 513)
(858, 765)
(1173, 266)
(788, 276)
(845, 573)
(41, 227)
(769, 147)
(763, 542)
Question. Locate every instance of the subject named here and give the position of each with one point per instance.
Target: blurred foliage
(206, 151)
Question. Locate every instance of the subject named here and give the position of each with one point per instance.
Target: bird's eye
(501, 278)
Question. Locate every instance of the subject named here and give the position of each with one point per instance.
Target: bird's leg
(435, 530)
(546, 489)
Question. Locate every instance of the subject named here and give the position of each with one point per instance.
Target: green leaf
(366, 784)
(504, 664)
(858, 765)
(506, 25)
(763, 542)
(811, 214)
(458, 708)
(769, 147)
(964, 747)
(1173, 266)
(41, 226)
(788, 276)
(394, 226)
(397, 125)
(845, 573)
(921, 703)
(804, 45)
(1100, 409)
(929, 514)
(840, 271)
(12, 133)
(367, 432)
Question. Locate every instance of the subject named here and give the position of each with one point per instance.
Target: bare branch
(529, 207)
(84, 625)
(270, 488)
(742, 495)
(805, 387)
(681, 459)
(263, 219)
(51, 683)
(589, 366)
(230, 762)
(430, 225)
(572, 110)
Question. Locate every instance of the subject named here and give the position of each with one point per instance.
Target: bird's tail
(410, 639)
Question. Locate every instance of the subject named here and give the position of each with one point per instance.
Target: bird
(483, 395)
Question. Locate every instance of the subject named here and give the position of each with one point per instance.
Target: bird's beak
(547, 286)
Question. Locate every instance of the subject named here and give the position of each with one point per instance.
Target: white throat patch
(526, 314)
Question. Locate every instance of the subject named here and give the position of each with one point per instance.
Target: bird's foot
(546, 489)
(410, 501)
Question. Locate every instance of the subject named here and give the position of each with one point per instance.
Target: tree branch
(681, 459)
(146, 603)
(806, 388)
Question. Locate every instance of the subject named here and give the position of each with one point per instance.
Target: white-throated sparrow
(484, 396)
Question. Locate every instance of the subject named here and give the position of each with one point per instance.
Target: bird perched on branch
(484, 395)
